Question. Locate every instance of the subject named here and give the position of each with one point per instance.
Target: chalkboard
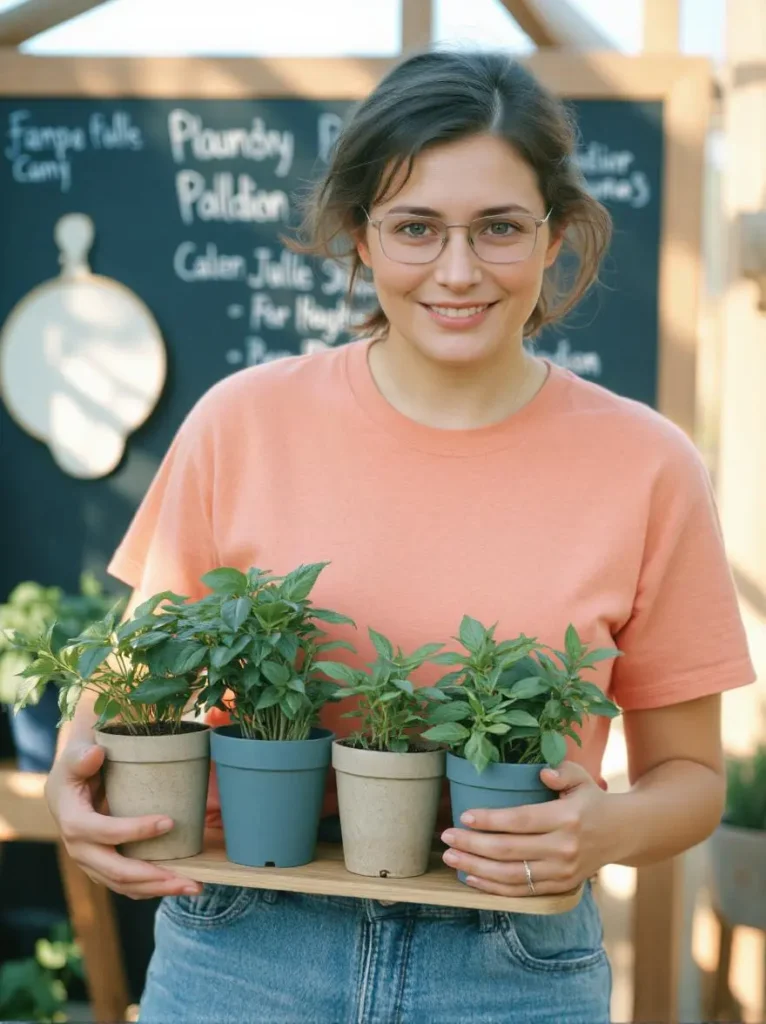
(189, 198)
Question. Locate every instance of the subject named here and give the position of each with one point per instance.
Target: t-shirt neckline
(492, 437)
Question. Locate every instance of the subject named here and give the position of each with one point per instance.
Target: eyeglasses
(510, 238)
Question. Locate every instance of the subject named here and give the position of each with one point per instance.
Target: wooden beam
(31, 17)
(556, 23)
(417, 25)
(662, 26)
(527, 16)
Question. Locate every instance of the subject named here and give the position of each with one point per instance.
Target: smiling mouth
(459, 312)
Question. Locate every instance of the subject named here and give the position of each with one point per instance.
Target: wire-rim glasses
(500, 238)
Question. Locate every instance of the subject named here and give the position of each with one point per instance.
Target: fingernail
(164, 824)
(467, 819)
(553, 772)
(191, 890)
(448, 838)
(450, 857)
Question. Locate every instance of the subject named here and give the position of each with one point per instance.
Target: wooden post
(662, 26)
(93, 922)
(657, 931)
(31, 17)
(417, 25)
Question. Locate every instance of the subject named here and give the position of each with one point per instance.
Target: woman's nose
(458, 265)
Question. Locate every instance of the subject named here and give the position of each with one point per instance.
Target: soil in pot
(388, 805)
(499, 785)
(166, 773)
(271, 796)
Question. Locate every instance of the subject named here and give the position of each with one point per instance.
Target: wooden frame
(29, 18)
(684, 85)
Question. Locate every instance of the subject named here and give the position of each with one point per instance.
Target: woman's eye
(502, 228)
(415, 229)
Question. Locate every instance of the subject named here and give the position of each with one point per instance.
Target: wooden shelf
(328, 876)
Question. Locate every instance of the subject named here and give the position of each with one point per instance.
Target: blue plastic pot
(499, 785)
(34, 730)
(271, 795)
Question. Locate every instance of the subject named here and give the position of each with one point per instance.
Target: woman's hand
(563, 841)
(73, 790)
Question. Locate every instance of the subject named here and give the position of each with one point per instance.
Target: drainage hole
(383, 874)
(269, 864)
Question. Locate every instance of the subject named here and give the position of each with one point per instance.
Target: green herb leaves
(389, 705)
(510, 702)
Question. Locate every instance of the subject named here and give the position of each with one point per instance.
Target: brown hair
(441, 96)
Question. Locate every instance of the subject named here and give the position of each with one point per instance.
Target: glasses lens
(411, 239)
(507, 239)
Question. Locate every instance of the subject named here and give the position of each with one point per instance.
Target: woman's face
(458, 182)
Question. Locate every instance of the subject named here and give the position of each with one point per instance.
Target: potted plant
(261, 642)
(30, 609)
(389, 780)
(35, 987)
(510, 708)
(737, 848)
(144, 676)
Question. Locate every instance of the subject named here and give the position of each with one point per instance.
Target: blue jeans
(248, 955)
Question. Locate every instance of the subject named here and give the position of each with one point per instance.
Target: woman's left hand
(564, 841)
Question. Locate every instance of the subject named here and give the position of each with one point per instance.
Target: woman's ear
(554, 246)
(363, 250)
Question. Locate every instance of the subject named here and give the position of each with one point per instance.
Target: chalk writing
(39, 154)
(289, 270)
(211, 265)
(611, 176)
(228, 198)
(190, 137)
(328, 129)
(117, 132)
(586, 364)
(265, 313)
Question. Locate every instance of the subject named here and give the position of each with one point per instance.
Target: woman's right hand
(72, 791)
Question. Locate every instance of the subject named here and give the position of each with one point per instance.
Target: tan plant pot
(737, 858)
(388, 805)
(159, 775)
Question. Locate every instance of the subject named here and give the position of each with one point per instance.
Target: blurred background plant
(31, 608)
(36, 988)
(746, 791)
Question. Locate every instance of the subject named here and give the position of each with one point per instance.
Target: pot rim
(190, 745)
(388, 764)
(740, 830)
(239, 752)
(198, 727)
(496, 776)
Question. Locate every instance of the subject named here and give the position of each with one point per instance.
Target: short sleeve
(685, 637)
(169, 544)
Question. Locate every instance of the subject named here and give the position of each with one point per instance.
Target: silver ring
(530, 883)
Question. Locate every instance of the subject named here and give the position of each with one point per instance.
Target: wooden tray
(327, 876)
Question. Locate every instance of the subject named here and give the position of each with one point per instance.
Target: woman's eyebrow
(490, 211)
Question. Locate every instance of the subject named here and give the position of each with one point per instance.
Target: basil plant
(511, 702)
(117, 663)
(257, 639)
(391, 708)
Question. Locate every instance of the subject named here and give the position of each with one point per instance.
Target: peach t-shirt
(582, 507)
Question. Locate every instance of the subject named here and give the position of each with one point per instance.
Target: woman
(442, 469)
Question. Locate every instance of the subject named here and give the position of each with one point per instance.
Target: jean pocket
(572, 941)
(215, 905)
